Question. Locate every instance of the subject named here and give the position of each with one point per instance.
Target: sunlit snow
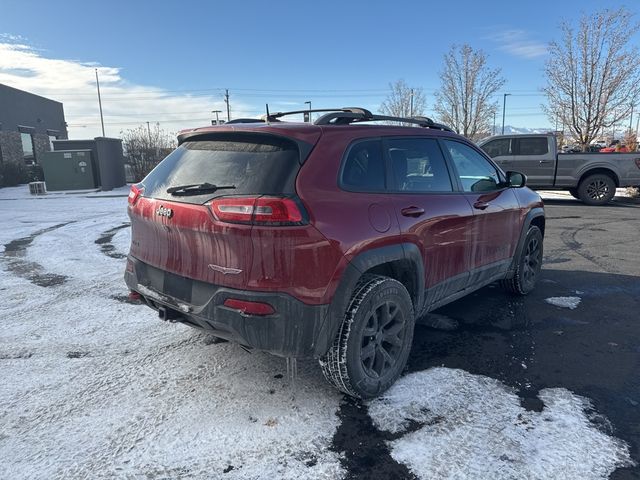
(461, 425)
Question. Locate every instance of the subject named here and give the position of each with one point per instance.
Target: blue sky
(333, 53)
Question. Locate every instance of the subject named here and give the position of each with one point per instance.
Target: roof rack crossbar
(348, 116)
(274, 116)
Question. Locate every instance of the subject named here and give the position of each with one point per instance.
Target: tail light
(135, 192)
(273, 211)
(249, 308)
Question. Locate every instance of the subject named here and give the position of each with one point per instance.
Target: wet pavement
(528, 344)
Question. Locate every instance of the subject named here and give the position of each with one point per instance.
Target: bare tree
(468, 85)
(593, 76)
(145, 146)
(404, 101)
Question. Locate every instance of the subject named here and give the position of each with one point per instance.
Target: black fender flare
(535, 212)
(361, 263)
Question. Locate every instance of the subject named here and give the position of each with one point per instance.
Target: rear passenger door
(491, 240)
(432, 214)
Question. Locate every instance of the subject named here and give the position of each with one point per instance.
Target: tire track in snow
(105, 241)
(14, 256)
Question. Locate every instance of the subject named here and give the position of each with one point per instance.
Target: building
(28, 125)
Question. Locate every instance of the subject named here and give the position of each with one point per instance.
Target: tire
(574, 193)
(529, 265)
(368, 356)
(597, 189)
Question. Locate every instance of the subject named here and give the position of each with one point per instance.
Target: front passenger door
(496, 225)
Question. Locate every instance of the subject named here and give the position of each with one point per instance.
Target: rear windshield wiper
(197, 189)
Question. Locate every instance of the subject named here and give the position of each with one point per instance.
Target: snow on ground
(460, 425)
(95, 387)
(564, 302)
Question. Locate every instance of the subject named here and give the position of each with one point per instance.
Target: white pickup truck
(590, 177)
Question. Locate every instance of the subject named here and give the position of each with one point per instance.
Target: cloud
(518, 43)
(125, 105)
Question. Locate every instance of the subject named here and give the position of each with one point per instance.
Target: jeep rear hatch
(194, 212)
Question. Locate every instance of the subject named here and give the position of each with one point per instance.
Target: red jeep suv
(330, 239)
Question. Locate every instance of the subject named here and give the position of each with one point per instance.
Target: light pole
(100, 102)
(504, 106)
(309, 102)
(217, 118)
(411, 103)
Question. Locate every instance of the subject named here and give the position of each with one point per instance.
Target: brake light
(257, 210)
(135, 193)
(249, 308)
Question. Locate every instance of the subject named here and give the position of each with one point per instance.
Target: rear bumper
(294, 330)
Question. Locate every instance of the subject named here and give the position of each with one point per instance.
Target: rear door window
(363, 168)
(245, 165)
(533, 146)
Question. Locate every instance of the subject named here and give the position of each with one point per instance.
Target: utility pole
(411, 103)
(226, 100)
(149, 132)
(631, 121)
(504, 107)
(217, 118)
(493, 132)
(100, 102)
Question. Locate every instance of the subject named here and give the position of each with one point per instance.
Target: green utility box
(69, 170)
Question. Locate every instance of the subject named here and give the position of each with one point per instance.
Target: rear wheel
(529, 265)
(374, 340)
(597, 189)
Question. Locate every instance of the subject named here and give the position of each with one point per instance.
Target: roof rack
(346, 116)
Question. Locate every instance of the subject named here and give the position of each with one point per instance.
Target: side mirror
(516, 179)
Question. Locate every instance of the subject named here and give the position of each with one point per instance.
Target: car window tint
(533, 146)
(498, 147)
(418, 165)
(475, 172)
(364, 169)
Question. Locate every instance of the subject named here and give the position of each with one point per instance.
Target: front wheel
(373, 343)
(529, 265)
(597, 189)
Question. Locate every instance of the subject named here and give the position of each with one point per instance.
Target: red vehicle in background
(328, 240)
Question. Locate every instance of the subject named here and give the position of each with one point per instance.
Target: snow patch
(474, 427)
(564, 302)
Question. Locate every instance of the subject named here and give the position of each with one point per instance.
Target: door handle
(480, 205)
(544, 161)
(412, 211)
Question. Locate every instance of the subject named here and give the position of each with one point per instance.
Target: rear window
(267, 165)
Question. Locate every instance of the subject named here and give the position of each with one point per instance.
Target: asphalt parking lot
(593, 350)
